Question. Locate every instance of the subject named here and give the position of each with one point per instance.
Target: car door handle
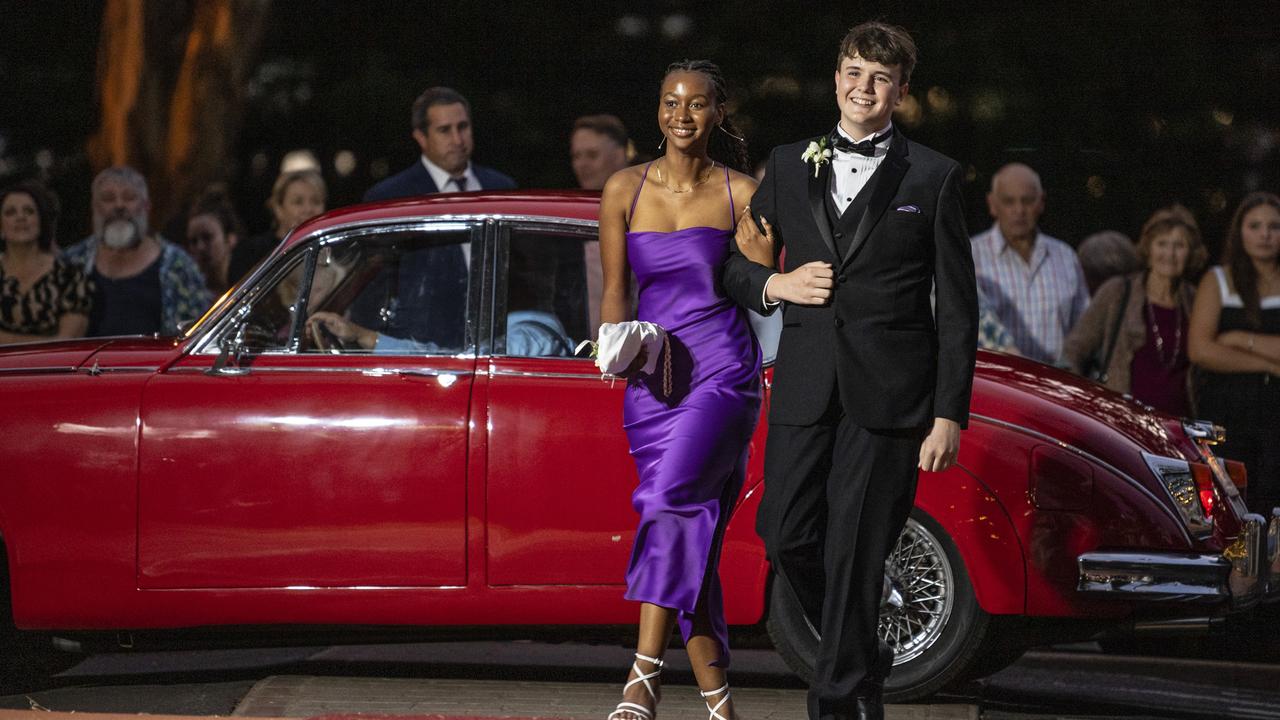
(424, 372)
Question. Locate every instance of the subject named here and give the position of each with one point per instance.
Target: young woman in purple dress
(671, 222)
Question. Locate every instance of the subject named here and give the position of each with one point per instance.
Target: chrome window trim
(505, 226)
(379, 225)
(204, 344)
(1170, 512)
(238, 305)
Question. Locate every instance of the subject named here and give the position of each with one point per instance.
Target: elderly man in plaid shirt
(1031, 282)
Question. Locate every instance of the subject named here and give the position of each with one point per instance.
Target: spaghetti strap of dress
(733, 214)
(1223, 289)
(636, 197)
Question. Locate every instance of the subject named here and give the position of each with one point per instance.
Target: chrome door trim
(502, 372)
(371, 371)
(42, 370)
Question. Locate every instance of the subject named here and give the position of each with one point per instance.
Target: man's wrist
(765, 298)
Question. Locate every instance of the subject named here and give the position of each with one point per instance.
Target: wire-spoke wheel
(929, 615)
(921, 591)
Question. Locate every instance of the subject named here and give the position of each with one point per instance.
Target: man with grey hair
(143, 284)
(1033, 283)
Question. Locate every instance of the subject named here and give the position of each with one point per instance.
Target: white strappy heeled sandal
(641, 677)
(715, 711)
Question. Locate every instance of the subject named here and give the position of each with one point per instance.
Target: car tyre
(939, 632)
(27, 660)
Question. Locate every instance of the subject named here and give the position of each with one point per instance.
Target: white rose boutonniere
(817, 153)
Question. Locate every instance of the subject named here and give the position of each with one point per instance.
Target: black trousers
(837, 496)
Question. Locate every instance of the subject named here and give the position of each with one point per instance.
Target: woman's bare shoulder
(743, 184)
(623, 183)
(621, 186)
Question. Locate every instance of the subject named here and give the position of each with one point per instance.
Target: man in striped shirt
(1032, 283)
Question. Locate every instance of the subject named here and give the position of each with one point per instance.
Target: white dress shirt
(850, 171)
(444, 183)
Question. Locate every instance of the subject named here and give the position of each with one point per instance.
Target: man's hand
(756, 247)
(940, 447)
(344, 329)
(809, 284)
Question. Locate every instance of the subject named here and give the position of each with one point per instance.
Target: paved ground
(577, 680)
(297, 696)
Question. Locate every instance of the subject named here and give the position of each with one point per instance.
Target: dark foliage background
(1122, 107)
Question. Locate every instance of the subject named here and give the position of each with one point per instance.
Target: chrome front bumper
(1243, 574)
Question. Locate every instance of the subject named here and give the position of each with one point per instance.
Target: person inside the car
(533, 330)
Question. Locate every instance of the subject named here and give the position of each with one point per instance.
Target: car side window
(391, 293)
(268, 325)
(552, 283)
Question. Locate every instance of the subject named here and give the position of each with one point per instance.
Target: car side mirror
(231, 348)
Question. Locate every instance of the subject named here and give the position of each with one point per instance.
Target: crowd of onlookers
(126, 279)
(1143, 318)
(1146, 319)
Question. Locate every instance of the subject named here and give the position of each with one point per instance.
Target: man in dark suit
(442, 129)
(430, 288)
(871, 382)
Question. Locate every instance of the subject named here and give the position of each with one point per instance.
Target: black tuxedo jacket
(877, 339)
(415, 180)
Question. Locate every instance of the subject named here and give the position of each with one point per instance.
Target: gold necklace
(706, 175)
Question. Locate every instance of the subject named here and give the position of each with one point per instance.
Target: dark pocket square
(909, 209)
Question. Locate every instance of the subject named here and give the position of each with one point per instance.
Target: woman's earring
(660, 142)
(726, 132)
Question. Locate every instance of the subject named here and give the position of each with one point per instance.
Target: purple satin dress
(690, 447)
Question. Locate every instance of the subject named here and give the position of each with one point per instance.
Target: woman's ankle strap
(656, 661)
(709, 693)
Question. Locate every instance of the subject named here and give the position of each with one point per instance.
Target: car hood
(71, 355)
(1069, 409)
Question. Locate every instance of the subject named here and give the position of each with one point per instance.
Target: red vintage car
(451, 463)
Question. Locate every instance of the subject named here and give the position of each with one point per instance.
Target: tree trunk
(172, 78)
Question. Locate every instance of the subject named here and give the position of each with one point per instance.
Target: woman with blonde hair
(296, 196)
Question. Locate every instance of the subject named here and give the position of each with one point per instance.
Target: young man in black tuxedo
(872, 379)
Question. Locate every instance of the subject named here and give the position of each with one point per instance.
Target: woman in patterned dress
(42, 296)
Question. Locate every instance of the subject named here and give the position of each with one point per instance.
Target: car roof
(571, 204)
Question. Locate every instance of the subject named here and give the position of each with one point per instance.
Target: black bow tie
(865, 147)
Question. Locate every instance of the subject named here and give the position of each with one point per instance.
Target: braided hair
(723, 145)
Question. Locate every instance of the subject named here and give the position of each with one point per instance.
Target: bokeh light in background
(1121, 107)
